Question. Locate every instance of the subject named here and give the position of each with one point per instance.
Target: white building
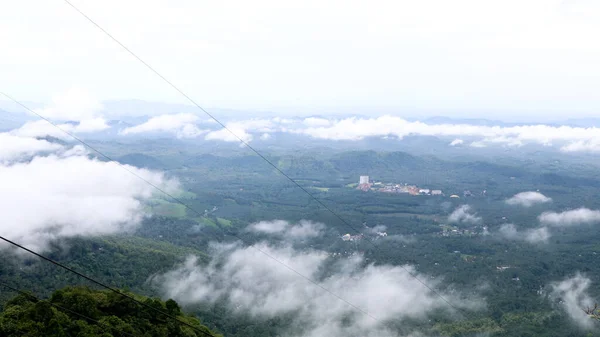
(364, 180)
(424, 191)
(436, 192)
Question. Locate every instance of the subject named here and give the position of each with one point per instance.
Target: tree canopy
(80, 311)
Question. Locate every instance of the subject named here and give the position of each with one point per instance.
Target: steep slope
(106, 314)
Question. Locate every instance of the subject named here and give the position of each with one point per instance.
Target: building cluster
(366, 185)
(348, 237)
(448, 231)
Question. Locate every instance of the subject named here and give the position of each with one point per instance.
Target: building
(424, 191)
(436, 192)
(364, 187)
(454, 196)
(364, 180)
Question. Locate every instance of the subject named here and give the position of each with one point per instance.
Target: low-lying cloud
(464, 214)
(569, 218)
(183, 125)
(41, 128)
(75, 104)
(573, 297)
(537, 235)
(528, 199)
(456, 142)
(68, 194)
(303, 229)
(14, 147)
(354, 128)
(569, 139)
(249, 283)
(243, 129)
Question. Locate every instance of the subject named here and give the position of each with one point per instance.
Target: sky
(467, 58)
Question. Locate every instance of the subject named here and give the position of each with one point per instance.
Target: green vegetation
(241, 189)
(106, 314)
(224, 222)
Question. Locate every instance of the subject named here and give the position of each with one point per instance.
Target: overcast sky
(457, 58)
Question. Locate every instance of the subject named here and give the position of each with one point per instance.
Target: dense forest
(80, 311)
(229, 193)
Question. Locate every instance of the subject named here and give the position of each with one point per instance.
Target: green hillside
(82, 312)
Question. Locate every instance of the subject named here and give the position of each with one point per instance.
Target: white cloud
(464, 214)
(265, 136)
(15, 147)
(541, 234)
(570, 218)
(354, 128)
(269, 227)
(457, 142)
(573, 297)
(244, 128)
(303, 229)
(478, 144)
(467, 55)
(537, 235)
(528, 199)
(67, 195)
(182, 124)
(227, 136)
(42, 128)
(75, 104)
(315, 121)
(592, 145)
(91, 125)
(250, 283)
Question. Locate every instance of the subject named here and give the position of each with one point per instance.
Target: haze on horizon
(510, 60)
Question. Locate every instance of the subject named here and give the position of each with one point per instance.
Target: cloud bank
(358, 128)
(15, 147)
(574, 217)
(302, 230)
(464, 214)
(250, 283)
(182, 125)
(528, 199)
(567, 138)
(573, 297)
(75, 106)
(66, 194)
(41, 128)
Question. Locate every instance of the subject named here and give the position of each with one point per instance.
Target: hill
(141, 160)
(106, 314)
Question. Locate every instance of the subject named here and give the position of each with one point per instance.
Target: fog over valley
(309, 169)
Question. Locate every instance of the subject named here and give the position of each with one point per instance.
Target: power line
(193, 210)
(242, 141)
(65, 309)
(116, 291)
(176, 200)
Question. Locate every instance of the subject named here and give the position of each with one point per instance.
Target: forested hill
(109, 315)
